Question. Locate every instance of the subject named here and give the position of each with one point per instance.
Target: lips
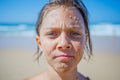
(64, 57)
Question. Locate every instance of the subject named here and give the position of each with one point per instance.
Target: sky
(27, 11)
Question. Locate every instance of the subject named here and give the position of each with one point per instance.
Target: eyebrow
(76, 27)
(66, 28)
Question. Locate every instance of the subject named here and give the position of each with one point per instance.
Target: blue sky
(26, 11)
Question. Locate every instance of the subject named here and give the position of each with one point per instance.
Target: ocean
(17, 29)
(28, 29)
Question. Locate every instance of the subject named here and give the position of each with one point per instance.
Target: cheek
(79, 53)
(47, 47)
(46, 51)
(79, 47)
(83, 40)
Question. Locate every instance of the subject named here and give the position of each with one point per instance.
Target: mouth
(64, 57)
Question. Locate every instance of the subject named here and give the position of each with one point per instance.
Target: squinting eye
(52, 34)
(75, 34)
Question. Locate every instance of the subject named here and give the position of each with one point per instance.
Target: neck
(68, 75)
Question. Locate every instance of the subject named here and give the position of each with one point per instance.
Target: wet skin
(62, 39)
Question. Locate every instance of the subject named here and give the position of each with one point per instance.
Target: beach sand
(17, 61)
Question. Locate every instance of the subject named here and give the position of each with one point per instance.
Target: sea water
(28, 29)
(17, 29)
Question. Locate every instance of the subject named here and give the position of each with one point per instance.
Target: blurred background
(17, 39)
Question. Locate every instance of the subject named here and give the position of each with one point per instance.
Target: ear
(38, 41)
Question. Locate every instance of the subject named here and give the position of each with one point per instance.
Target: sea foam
(103, 29)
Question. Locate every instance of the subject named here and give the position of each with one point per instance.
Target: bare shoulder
(40, 76)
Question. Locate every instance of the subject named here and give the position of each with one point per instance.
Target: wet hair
(53, 4)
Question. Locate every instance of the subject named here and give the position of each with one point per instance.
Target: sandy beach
(17, 61)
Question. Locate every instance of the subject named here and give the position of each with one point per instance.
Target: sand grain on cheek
(79, 51)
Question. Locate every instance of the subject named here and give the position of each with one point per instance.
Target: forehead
(62, 15)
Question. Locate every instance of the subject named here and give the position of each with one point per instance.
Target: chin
(64, 67)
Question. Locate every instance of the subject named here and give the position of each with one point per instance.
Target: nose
(64, 43)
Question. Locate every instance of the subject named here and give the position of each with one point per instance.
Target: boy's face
(62, 38)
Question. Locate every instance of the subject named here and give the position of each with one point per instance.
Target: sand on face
(17, 62)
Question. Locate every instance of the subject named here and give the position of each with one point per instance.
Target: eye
(76, 34)
(52, 34)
